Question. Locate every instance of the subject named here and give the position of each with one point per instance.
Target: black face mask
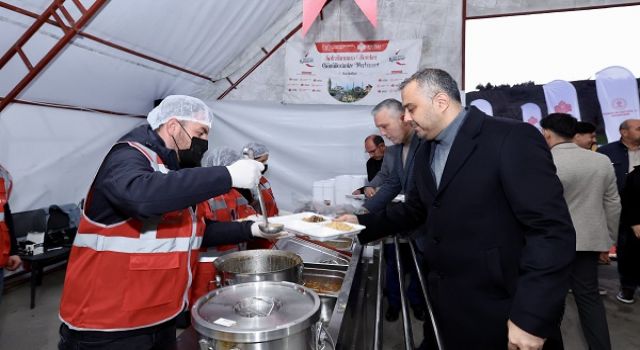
(266, 166)
(191, 158)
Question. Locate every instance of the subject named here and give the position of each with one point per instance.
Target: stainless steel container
(258, 316)
(312, 253)
(327, 283)
(258, 265)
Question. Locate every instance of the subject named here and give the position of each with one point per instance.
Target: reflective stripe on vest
(267, 196)
(102, 243)
(217, 204)
(132, 274)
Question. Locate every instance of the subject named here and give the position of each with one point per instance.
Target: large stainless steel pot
(259, 316)
(258, 265)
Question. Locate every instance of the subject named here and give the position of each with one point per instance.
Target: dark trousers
(414, 292)
(628, 251)
(554, 342)
(584, 283)
(160, 337)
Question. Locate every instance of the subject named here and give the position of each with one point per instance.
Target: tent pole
(267, 55)
(110, 44)
(69, 33)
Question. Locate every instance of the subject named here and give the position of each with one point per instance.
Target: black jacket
(8, 219)
(127, 186)
(373, 166)
(619, 155)
(631, 201)
(499, 241)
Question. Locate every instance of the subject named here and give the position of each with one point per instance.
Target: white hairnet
(180, 107)
(220, 156)
(259, 149)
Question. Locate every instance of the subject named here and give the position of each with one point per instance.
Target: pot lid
(256, 311)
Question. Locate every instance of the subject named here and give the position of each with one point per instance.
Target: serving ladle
(266, 227)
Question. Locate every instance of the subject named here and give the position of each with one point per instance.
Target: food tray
(316, 230)
(323, 281)
(312, 253)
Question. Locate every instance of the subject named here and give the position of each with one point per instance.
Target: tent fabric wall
(306, 142)
(200, 35)
(54, 153)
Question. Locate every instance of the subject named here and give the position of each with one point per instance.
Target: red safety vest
(267, 196)
(132, 274)
(272, 210)
(5, 240)
(225, 208)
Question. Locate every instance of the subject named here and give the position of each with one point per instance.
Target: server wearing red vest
(225, 207)
(9, 258)
(261, 154)
(142, 224)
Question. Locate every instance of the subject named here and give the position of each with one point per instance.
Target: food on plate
(324, 286)
(340, 226)
(313, 218)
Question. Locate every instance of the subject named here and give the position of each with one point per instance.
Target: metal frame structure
(266, 56)
(70, 29)
(57, 21)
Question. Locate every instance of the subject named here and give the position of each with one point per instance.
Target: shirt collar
(448, 135)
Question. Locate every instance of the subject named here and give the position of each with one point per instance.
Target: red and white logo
(306, 60)
(562, 107)
(532, 120)
(619, 103)
(398, 58)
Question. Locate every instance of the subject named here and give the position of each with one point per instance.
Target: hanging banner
(483, 105)
(531, 114)
(618, 96)
(561, 97)
(348, 72)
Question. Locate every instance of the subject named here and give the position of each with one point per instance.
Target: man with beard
(498, 238)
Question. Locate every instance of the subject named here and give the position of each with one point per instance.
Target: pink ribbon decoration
(310, 10)
(370, 9)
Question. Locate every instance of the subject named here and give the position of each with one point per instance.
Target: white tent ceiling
(199, 35)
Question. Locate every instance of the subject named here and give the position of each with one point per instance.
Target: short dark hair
(435, 80)
(585, 128)
(377, 139)
(562, 124)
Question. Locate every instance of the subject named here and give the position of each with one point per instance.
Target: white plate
(318, 230)
(355, 196)
(399, 198)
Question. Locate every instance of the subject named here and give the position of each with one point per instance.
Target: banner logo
(306, 60)
(619, 103)
(397, 58)
(562, 107)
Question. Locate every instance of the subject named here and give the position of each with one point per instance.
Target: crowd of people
(506, 219)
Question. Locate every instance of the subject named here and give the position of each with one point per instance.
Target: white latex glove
(255, 231)
(245, 173)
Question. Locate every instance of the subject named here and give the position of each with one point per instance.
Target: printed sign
(348, 72)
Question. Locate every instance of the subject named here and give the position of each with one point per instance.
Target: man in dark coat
(499, 241)
(625, 156)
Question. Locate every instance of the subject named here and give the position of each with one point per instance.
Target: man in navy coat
(498, 238)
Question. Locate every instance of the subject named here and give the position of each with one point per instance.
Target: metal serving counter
(352, 321)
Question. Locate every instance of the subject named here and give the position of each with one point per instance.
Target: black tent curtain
(506, 101)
